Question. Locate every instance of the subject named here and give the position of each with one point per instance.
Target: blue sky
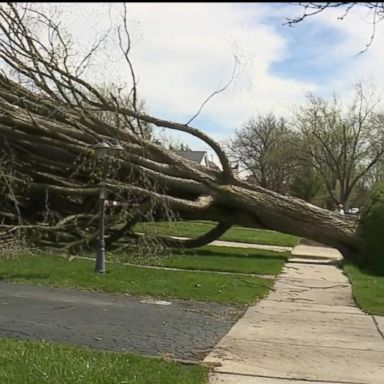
(306, 58)
(182, 52)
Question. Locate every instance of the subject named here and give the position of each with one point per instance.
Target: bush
(372, 231)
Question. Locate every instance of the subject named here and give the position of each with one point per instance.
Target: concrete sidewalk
(221, 243)
(307, 331)
(275, 248)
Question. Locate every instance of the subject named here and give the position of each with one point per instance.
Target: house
(199, 157)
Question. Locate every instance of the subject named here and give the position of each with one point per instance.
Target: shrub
(372, 231)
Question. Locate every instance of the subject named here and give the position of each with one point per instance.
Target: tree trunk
(38, 185)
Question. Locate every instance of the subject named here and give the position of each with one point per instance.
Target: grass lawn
(211, 258)
(60, 272)
(236, 234)
(24, 362)
(368, 289)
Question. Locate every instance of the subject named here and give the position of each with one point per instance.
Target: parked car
(353, 211)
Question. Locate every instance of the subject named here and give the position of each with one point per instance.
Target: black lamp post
(103, 150)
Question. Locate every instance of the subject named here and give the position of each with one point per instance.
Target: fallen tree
(50, 123)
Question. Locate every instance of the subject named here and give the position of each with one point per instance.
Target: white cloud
(182, 52)
(356, 29)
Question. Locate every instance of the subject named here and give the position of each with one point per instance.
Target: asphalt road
(182, 329)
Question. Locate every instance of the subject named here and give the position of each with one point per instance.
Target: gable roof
(212, 165)
(196, 156)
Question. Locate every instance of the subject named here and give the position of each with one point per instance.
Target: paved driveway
(185, 330)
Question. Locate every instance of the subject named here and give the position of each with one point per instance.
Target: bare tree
(343, 146)
(48, 129)
(263, 147)
(307, 184)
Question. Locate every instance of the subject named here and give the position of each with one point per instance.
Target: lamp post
(102, 151)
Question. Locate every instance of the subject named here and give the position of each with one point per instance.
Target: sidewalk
(307, 331)
(221, 243)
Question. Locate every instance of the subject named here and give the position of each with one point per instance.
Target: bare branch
(222, 89)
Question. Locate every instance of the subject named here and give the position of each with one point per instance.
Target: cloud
(182, 52)
(350, 37)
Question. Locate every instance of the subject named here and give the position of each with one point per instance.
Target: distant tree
(306, 184)
(376, 174)
(169, 141)
(180, 147)
(343, 145)
(263, 148)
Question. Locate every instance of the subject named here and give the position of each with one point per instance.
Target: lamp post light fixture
(102, 151)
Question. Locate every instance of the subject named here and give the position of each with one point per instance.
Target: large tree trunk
(45, 150)
(50, 177)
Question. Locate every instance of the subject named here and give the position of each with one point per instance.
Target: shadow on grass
(372, 271)
(363, 266)
(26, 275)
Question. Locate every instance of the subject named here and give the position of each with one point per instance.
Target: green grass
(236, 234)
(24, 362)
(368, 290)
(211, 258)
(60, 272)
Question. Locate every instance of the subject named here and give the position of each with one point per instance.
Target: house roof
(212, 165)
(196, 156)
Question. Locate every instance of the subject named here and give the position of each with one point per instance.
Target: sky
(182, 52)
